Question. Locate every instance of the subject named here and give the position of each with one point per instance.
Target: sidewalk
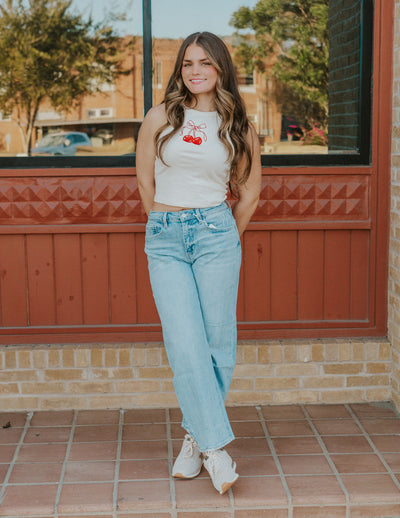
(295, 461)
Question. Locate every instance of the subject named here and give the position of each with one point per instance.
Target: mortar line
(64, 466)
(277, 462)
(231, 502)
(328, 458)
(376, 451)
(174, 512)
(15, 456)
(118, 462)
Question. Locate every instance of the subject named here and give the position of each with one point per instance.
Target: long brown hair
(229, 105)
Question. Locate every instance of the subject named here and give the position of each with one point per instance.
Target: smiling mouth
(197, 81)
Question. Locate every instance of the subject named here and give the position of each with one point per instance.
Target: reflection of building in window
(98, 113)
(5, 116)
(246, 82)
(111, 117)
(164, 54)
(106, 87)
(245, 79)
(49, 115)
(258, 93)
(159, 81)
(5, 135)
(344, 75)
(101, 86)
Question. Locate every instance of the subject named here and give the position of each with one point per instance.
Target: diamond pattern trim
(70, 200)
(115, 199)
(314, 198)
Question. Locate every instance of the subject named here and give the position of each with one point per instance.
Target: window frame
(363, 157)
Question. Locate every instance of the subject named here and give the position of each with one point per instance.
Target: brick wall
(138, 375)
(394, 244)
(344, 74)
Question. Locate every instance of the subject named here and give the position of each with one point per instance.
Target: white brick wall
(394, 243)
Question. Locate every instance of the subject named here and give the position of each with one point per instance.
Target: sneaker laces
(189, 444)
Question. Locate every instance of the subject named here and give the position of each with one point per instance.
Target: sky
(171, 18)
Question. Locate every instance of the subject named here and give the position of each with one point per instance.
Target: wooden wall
(72, 265)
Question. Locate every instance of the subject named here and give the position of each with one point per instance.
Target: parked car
(62, 143)
(105, 135)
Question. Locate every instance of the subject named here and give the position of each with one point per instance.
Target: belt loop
(228, 205)
(197, 213)
(165, 219)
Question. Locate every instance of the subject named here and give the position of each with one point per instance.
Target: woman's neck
(204, 103)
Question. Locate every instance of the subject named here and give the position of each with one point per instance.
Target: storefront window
(304, 70)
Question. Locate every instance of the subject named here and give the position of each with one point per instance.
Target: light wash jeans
(194, 261)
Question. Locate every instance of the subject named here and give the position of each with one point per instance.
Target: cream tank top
(197, 170)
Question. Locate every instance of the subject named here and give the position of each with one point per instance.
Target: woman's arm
(249, 192)
(146, 155)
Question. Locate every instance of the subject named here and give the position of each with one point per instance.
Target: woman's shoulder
(156, 116)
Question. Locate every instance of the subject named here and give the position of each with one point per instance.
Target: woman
(190, 149)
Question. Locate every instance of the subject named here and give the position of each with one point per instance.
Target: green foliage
(291, 40)
(48, 51)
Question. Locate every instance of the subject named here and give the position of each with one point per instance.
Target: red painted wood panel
(68, 275)
(284, 275)
(359, 275)
(337, 275)
(13, 287)
(95, 283)
(124, 294)
(256, 276)
(41, 285)
(311, 275)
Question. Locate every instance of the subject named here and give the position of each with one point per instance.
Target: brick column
(394, 243)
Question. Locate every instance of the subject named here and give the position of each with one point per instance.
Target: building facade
(77, 333)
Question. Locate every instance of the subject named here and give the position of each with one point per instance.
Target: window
(97, 113)
(5, 116)
(79, 139)
(322, 118)
(304, 73)
(247, 84)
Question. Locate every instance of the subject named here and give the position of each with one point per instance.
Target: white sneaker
(189, 461)
(221, 468)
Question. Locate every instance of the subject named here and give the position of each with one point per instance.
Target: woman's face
(198, 74)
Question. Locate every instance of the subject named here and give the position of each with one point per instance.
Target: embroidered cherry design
(193, 129)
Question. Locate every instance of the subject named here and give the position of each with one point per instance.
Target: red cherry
(197, 141)
(188, 138)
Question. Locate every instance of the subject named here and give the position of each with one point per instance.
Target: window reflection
(109, 116)
(300, 78)
(298, 66)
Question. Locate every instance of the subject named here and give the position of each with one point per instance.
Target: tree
(46, 51)
(293, 35)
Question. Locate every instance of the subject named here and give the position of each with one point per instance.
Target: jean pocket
(220, 222)
(153, 230)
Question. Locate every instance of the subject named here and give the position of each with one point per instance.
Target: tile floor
(296, 461)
